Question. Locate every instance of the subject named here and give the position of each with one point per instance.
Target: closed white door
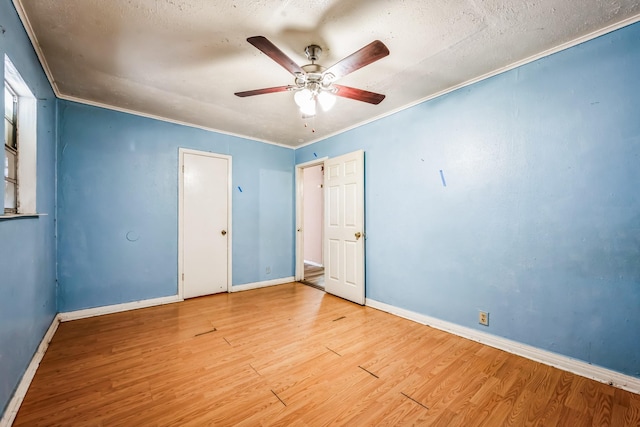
(204, 223)
(344, 226)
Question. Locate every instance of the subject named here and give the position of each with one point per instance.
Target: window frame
(27, 142)
(12, 147)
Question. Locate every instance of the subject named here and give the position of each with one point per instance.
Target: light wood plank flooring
(291, 355)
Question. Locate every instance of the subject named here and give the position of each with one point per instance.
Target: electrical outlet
(483, 318)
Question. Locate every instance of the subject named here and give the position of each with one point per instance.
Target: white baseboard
(116, 308)
(264, 284)
(578, 367)
(21, 391)
(315, 264)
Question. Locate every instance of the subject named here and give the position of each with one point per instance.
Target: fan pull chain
(313, 129)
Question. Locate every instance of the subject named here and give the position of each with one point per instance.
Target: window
(10, 150)
(20, 144)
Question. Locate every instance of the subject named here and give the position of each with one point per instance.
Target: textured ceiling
(182, 60)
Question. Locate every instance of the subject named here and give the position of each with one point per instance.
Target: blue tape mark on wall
(444, 182)
(240, 188)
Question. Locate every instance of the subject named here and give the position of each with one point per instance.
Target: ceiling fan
(314, 83)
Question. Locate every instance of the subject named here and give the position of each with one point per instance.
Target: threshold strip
(207, 332)
(368, 372)
(281, 401)
(411, 398)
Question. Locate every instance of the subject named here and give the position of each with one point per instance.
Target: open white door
(344, 226)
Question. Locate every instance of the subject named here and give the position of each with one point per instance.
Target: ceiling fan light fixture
(327, 100)
(313, 82)
(303, 97)
(309, 110)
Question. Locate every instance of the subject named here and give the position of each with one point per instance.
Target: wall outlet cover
(483, 318)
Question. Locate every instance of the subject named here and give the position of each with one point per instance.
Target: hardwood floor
(313, 275)
(293, 355)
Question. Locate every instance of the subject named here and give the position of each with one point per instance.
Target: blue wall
(118, 173)
(539, 221)
(27, 246)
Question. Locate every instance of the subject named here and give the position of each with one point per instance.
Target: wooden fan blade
(276, 54)
(359, 94)
(263, 91)
(365, 56)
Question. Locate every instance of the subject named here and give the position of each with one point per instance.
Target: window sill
(21, 215)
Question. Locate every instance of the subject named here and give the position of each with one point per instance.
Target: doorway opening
(343, 234)
(310, 223)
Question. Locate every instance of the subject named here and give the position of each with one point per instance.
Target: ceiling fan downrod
(313, 52)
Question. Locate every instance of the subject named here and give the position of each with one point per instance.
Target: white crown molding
(565, 363)
(21, 391)
(36, 46)
(548, 52)
(167, 120)
(116, 308)
(47, 70)
(264, 284)
(543, 54)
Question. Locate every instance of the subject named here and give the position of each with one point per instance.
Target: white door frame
(181, 153)
(300, 214)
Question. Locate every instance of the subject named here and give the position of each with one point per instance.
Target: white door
(344, 226)
(204, 223)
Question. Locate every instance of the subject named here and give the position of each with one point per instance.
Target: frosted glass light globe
(326, 100)
(303, 97)
(309, 109)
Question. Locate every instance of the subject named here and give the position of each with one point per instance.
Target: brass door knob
(358, 235)
(223, 232)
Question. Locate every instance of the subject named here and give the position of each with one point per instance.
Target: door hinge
(182, 168)
(183, 277)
